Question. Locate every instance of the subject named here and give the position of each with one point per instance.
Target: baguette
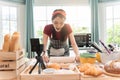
(6, 43)
(15, 42)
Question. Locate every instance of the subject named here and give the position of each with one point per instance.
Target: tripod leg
(42, 63)
(39, 68)
(33, 67)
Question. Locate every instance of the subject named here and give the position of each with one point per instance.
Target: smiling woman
(58, 32)
(59, 21)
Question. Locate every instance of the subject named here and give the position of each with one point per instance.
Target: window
(77, 16)
(111, 23)
(8, 21)
(11, 20)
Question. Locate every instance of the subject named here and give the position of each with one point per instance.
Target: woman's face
(58, 23)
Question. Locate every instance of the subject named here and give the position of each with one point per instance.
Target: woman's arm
(45, 41)
(74, 46)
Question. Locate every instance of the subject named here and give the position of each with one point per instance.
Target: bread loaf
(54, 65)
(93, 71)
(112, 67)
(6, 43)
(15, 42)
(90, 69)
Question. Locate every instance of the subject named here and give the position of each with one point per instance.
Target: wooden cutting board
(111, 74)
(89, 76)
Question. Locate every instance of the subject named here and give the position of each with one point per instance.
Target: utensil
(105, 47)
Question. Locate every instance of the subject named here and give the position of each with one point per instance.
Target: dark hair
(61, 14)
(63, 33)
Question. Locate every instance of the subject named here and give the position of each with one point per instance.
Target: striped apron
(58, 48)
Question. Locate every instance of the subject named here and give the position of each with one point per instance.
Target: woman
(58, 32)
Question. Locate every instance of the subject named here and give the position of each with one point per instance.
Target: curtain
(94, 21)
(29, 26)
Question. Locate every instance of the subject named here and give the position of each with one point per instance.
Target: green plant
(114, 34)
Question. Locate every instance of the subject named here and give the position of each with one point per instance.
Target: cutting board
(111, 74)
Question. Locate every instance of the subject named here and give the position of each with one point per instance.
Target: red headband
(59, 12)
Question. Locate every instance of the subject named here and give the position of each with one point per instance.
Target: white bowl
(49, 70)
(105, 57)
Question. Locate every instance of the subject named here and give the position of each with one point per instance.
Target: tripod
(37, 47)
(40, 63)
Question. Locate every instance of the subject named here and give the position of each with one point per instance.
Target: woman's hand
(45, 58)
(77, 58)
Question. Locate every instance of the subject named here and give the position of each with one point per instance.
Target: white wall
(102, 22)
(21, 24)
(60, 2)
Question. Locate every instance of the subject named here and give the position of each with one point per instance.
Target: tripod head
(36, 46)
